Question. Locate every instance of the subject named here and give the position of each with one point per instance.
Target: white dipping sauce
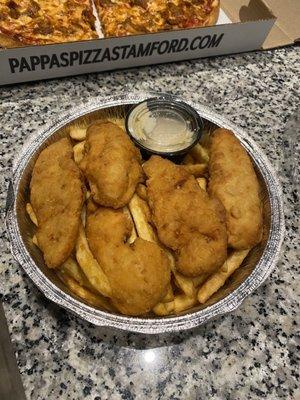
(162, 131)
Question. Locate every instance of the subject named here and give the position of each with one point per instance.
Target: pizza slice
(30, 22)
(130, 17)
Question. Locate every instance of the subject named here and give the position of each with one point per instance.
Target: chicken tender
(234, 182)
(112, 164)
(139, 274)
(186, 219)
(57, 197)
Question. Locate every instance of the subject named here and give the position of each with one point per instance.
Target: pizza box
(286, 30)
(243, 25)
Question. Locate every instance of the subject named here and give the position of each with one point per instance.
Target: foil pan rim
(260, 273)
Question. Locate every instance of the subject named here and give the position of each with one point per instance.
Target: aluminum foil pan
(253, 272)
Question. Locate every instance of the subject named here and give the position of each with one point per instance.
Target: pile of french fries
(83, 275)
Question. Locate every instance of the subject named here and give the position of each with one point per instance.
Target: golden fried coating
(234, 182)
(186, 219)
(111, 164)
(57, 197)
(139, 274)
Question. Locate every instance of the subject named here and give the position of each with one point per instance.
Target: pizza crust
(7, 42)
(214, 16)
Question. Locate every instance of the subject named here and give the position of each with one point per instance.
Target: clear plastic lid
(163, 126)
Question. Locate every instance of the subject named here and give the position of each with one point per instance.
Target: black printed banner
(43, 62)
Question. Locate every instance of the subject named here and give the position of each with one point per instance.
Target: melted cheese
(47, 21)
(120, 18)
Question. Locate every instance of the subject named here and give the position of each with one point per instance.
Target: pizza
(129, 17)
(32, 22)
(39, 22)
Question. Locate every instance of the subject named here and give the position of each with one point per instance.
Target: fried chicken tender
(57, 197)
(112, 164)
(139, 274)
(186, 219)
(234, 182)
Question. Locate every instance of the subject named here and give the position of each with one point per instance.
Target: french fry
(78, 151)
(199, 280)
(182, 302)
(90, 266)
(169, 296)
(133, 234)
(188, 160)
(33, 218)
(139, 210)
(77, 132)
(202, 183)
(185, 284)
(163, 309)
(197, 170)
(95, 300)
(31, 214)
(35, 241)
(141, 191)
(71, 268)
(199, 154)
(218, 279)
(224, 267)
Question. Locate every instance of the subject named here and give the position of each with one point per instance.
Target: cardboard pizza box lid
(286, 29)
(246, 10)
